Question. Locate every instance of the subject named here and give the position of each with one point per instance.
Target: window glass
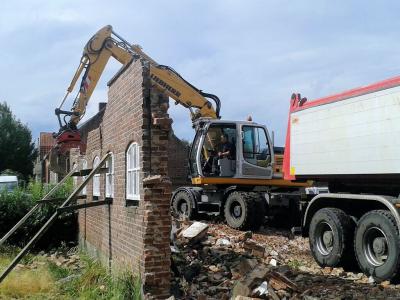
(255, 146)
(213, 143)
(110, 176)
(132, 172)
(96, 178)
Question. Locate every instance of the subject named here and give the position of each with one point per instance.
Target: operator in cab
(226, 148)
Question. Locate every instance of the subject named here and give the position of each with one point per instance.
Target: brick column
(156, 260)
(155, 263)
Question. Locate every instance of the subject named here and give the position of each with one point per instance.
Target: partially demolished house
(41, 169)
(134, 231)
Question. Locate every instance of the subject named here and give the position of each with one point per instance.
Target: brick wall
(178, 169)
(132, 234)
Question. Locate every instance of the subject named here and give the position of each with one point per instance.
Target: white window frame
(84, 167)
(110, 177)
(96, 178)
(133, 172)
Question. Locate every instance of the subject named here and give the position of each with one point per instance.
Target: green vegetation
(40, 278)
(25, 283)
(17, 151)
(14, 205)
(95, 282)
(295, 264)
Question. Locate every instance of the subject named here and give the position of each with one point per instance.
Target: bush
(14, 205)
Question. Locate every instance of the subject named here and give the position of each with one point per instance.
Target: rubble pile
(67, 259)
(213, 261)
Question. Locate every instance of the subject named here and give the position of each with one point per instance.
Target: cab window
(255, 146)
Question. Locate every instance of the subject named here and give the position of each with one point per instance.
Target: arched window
(110, 176)
(96, 178)
(132, 172)
(84, 167)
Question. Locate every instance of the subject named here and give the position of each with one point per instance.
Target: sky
(252, 54)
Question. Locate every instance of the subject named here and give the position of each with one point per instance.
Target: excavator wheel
(240, 210)
(182, 206)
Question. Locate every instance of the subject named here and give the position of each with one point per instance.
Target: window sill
(132, 202)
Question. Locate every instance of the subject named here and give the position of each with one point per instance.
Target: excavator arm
(97, 52)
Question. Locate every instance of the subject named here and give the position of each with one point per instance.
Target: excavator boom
(96, 54)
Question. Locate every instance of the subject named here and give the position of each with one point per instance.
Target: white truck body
(351, 136)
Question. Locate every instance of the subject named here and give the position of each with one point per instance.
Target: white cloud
(252, 54)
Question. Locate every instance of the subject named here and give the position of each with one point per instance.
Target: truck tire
(182, 205)
(377, 245)
(331, 237)
(240, 210)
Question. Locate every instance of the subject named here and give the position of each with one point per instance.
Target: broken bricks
(254, 248)
(263, 282)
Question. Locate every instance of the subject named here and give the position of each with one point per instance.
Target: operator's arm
(226, 150)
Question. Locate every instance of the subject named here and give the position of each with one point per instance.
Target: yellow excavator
(96, 54)
(232, 164)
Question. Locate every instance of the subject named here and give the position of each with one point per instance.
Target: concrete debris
(196, 231)
(273, 253)
(273, 262)
(262, 289)
(270, 264)
(371, 279)
(223, 242)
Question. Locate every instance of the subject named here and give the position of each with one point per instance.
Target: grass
(295, 264)
(25, 283)
(96, 283)
(50, 281)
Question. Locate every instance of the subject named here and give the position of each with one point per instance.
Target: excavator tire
(182, 206)
(240, 210)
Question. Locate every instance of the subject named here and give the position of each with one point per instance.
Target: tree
(17, 152)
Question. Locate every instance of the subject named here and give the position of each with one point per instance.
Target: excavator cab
(231, 149)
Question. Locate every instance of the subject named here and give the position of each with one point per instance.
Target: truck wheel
(182, 205)
(331, 237)
(239, 210)
(377, 245)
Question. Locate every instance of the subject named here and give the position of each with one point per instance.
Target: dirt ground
(222, 263)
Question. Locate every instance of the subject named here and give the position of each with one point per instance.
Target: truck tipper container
(351, 142)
